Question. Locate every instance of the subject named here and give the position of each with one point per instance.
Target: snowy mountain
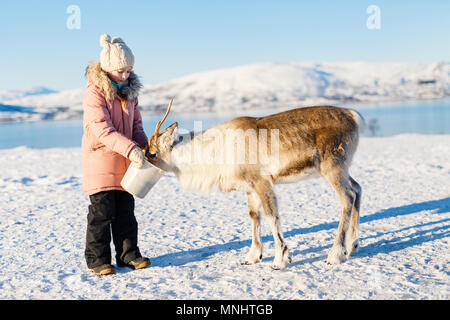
(273, 86)
(255, 87)
(17, 94)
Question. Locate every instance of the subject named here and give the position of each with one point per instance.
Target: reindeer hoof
(275, 267)
(252, 258)
(337, 255)
(352, 247)
(278, 267)
(250, 262)
(281, 264)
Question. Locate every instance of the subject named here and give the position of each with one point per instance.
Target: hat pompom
(105, 39)
(117, 40)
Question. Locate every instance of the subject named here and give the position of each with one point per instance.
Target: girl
(113, 136)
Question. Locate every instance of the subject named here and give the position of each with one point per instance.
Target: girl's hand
(137, 157)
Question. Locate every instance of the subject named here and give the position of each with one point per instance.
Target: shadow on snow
(382, 246)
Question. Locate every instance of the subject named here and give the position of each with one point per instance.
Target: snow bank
(274, 86)
(196, 243)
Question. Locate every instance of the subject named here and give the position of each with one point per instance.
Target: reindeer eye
(152, 155)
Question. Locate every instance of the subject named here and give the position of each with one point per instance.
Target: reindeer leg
(268, 199)
(255, 253)
(340, 182)
(351, 240)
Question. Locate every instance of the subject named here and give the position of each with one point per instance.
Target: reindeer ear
(167, 136)
(169, 130)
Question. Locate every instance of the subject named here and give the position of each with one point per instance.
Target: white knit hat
(115, 54)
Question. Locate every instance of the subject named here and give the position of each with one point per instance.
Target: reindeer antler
(161, 122)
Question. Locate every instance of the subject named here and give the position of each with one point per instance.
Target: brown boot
(103, 270)
(138, 263)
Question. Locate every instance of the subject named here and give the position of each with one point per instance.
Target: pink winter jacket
(112, 127)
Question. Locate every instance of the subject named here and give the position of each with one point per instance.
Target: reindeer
(293, 145)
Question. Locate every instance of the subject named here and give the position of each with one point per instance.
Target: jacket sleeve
(138, 130)
(98, 121)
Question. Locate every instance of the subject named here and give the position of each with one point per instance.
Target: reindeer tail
(358, 119)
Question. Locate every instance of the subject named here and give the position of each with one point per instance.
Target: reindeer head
(160, 144)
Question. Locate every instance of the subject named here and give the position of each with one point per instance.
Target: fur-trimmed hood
(100, 79)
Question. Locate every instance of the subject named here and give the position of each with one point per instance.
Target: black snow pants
(111, 212)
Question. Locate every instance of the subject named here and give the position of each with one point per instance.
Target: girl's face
(120, 75)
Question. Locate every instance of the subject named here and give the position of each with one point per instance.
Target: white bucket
(138, 182)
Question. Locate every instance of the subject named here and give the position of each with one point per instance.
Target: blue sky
(175, 38)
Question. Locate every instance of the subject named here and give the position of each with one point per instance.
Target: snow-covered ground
(196, 242)
(254, 87)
